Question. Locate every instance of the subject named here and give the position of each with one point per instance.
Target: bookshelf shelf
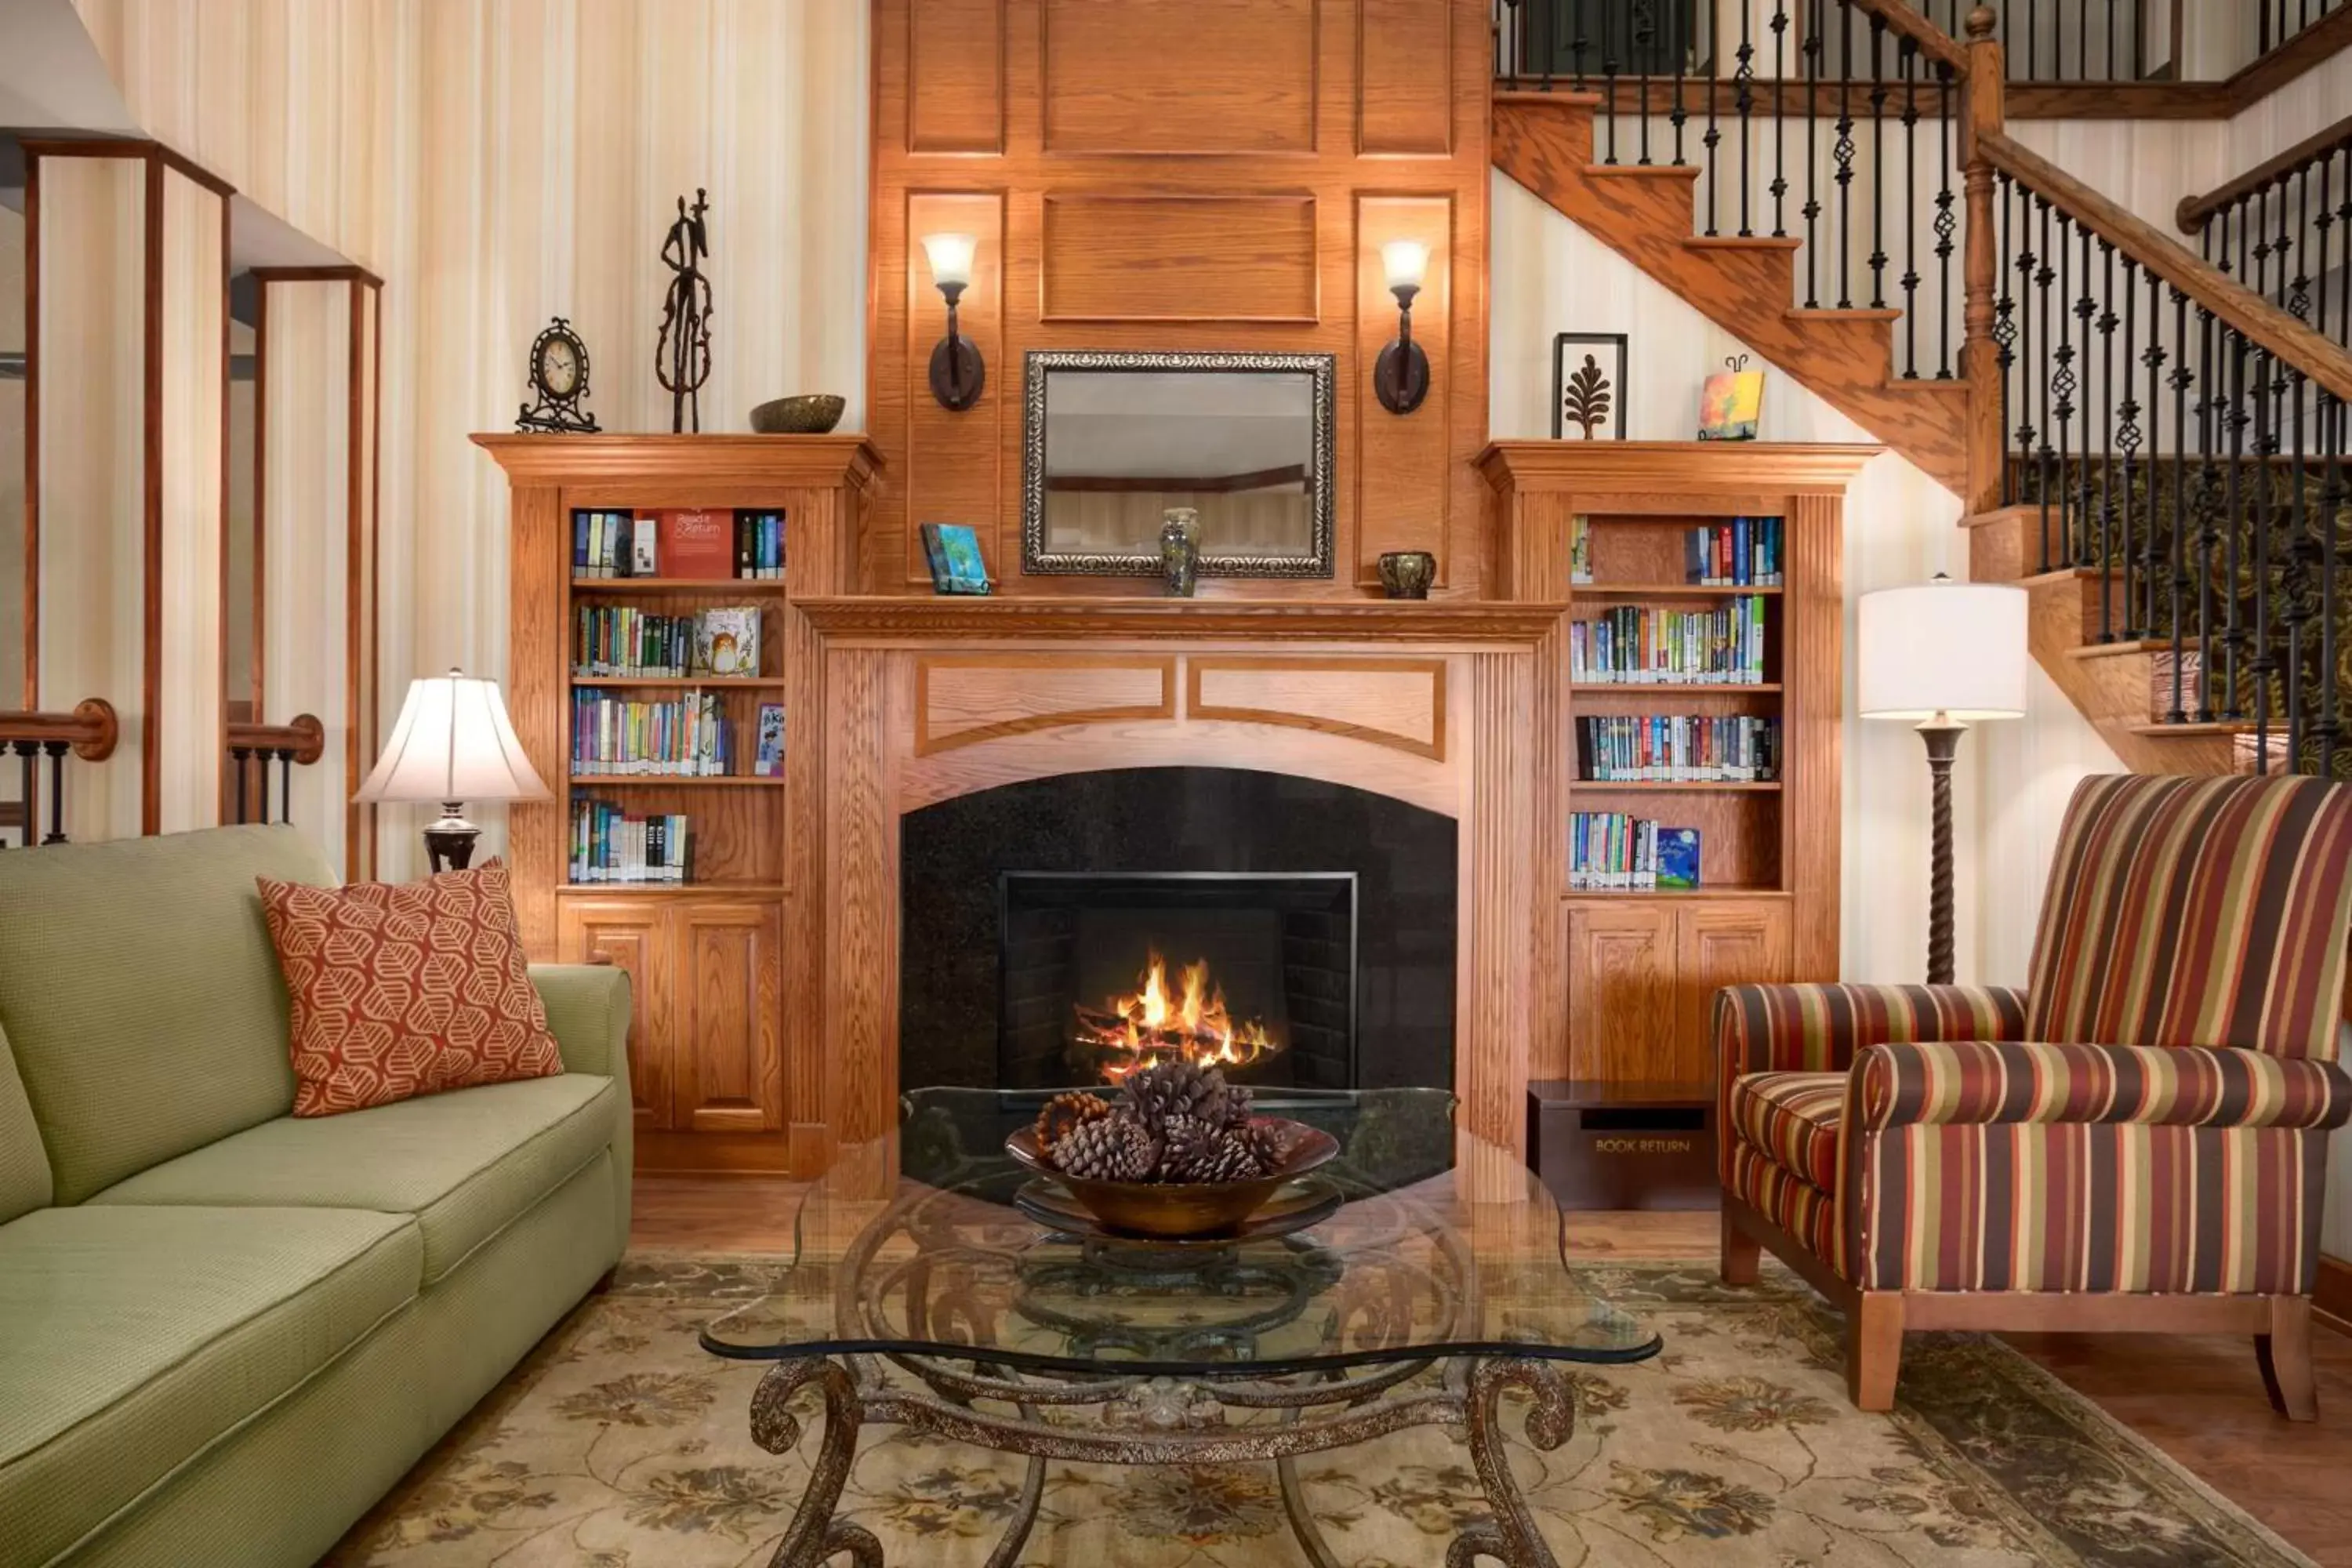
(1652, 786)
(673, 781)
(670, 889)
(1659, 689)
(1665, 590)
(675, 682)
(1674, 895)
(677, 585)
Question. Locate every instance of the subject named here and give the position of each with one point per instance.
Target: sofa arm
(1818, 1028)
(1986, 1082)
(588, 1013)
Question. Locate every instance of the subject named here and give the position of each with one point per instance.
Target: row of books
(687, 737)
(678, 542)
(1661, 748)
(1738, 552)
(1609, 852)
(619, 640)
(1644, 645)
(610, 845)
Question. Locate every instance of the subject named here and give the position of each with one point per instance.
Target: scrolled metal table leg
(814, 1536)
(1510, 1537)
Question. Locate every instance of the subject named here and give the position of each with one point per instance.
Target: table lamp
(1943, 654)
(452, 743)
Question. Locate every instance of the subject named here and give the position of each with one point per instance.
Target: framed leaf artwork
(1588, 385)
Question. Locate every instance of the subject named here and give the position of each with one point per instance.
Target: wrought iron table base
(1162, 1421)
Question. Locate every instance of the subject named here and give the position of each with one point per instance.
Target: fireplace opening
(1253, 973)
(1317, 916)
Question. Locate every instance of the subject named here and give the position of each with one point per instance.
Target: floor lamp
(1943, 655)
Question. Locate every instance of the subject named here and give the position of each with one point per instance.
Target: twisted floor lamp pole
(1943, 747)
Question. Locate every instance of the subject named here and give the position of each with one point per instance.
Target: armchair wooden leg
(1742, 1253)
(1874, 1348)
(2285, 1354)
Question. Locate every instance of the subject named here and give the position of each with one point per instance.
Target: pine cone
(1269, 1143)
(1064, 1114)
(1107, 1149)
(1182, 1088)
(1227, 1159)
(1184, 1143)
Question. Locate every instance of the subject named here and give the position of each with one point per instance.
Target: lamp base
(1943, 742)
(958, 374)
(449, 841)
(1400, 376)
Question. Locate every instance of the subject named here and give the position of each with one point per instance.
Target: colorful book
(957, 567)
(768, 753)
(699, 545)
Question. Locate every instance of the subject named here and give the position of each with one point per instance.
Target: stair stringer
(1644, 213)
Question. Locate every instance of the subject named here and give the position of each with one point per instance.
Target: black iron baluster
(241, 756)
(2234, 631)
(2325, 222)
(1779, 187)
(2264, 662)
(1578, 10)
(1812, 50)
(1842, 151)
(1679, 115)
(28, 786)
(2301, 549)
(2329, 729)
(2043, 277)
(2004, 330)
(2182, 377)
(1948, 221)
(2128, 442)
(1609, 63)
(2208, 514)
(2105, 558)
(2062, 385)
(56, 750)
(1743, 89)
(1907, 59)
(1711, 140)
(1879, 95)
(2298, 290)
(2154, 358)
(2344, 273)
(2033, 40)
(1645, 40)
(285, 756)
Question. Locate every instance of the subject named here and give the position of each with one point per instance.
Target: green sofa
(225, 1333)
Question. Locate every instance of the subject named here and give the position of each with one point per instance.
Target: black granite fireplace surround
(1016, 903)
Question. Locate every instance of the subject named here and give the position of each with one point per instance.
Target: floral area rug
(621, 1444)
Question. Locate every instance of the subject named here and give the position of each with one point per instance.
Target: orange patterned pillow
(402, 989)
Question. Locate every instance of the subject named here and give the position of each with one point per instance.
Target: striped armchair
(2137, 1141)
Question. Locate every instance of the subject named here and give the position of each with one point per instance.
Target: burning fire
(1153, 1025)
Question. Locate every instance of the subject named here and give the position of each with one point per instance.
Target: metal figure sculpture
(682, 352)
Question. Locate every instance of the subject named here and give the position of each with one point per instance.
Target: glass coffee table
(941, 1287)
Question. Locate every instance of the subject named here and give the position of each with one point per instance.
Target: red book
(698, 544)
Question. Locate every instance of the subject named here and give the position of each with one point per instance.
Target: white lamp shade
(1957, 650)
(950, 256)
(1406, 262)
(452, 743)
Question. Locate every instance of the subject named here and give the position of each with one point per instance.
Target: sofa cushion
(141, 995)
(466, 1163)
(402, 989)
(1793, 1119)
(25, 1182)
(135, 1338)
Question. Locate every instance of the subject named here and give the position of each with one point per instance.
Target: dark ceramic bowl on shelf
(812, 414)
(1181, 1209)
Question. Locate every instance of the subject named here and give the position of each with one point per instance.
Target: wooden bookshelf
(1636, 971)
(721, 985)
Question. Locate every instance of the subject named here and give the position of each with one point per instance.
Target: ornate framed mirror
(1112, 440)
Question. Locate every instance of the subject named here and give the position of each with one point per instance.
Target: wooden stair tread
(1744, 242)
(2193, 731)
(1562, 98)
(1844, 313)
(1647, 171)
(2123, 646)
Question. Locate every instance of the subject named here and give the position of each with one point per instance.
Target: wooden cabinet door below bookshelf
(1621, 983)
(730, 1058)
(1720, 944)
(635, 936)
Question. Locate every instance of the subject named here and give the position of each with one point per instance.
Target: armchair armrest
(588, 1013)
(1818, 1028)
(1989, 1082)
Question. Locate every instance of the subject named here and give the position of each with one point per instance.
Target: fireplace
(1253, 973)
(1063, 930)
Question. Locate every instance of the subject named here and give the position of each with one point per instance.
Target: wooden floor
(2197, 1398)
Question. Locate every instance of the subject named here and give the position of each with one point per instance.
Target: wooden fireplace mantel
(966, 620)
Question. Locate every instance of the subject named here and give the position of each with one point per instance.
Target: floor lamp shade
(1954, 649)
(452, 743)
(1942, 654)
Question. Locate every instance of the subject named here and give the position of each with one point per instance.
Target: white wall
(1551, 275)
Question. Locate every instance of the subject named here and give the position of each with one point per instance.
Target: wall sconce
(957, 373)
(1401, 377)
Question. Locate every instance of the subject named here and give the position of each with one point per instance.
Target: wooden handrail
(2195, 210)
(90, 729)
(2293, 343)
(1932, 41)
(305, 737)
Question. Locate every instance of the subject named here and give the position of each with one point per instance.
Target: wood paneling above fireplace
(1180, 174)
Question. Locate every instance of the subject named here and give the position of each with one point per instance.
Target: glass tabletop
(1418, 1242)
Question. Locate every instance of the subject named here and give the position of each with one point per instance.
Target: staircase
(2155, 449)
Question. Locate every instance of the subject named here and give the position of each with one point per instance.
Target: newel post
(1982, 113)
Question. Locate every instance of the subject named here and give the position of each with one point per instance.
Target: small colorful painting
(957, 567)
(1678, 858)
(1731, 405)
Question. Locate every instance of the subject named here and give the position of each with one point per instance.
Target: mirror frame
(1036, 557)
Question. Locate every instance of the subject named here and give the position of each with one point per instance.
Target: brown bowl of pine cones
(1181, 1153)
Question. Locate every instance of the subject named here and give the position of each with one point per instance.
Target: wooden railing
(2284, 229)
(252, 748)
(88, 733)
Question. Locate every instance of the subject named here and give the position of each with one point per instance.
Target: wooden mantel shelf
(1263, 620)
(666, 460)
(1677, 466)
